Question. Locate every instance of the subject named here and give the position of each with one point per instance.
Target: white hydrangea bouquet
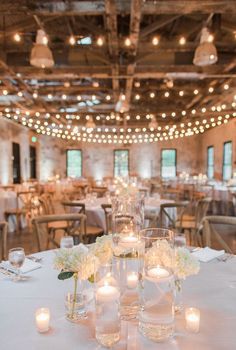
(179, 260)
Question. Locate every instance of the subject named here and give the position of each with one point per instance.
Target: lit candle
(132, 280)
(107, 293)
(192, 318)
(42, 318)
(158, 272)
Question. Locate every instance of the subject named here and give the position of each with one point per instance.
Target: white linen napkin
(28, 266)
(207, 254)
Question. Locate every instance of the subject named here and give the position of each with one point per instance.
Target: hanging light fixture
(41, 55)
(90, 125)
(205, 53)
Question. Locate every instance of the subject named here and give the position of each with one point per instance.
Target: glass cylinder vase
(128, 250)
(156, 315)
(75, 301)
(107, 305)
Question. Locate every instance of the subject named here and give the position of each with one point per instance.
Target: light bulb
(72, 40)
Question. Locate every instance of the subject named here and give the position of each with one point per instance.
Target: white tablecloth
(213, 291)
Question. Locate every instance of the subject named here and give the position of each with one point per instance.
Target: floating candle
(158, 272)
(132, 279)
(107, 293)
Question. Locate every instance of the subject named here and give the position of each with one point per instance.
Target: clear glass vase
(75, 302)
(107, 307)
(156, 315)
(178, 295)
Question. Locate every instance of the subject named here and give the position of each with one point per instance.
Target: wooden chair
(45, 235)
(91, 231)
(108, 216)
(214, 228)
(173, 222)
(190, 224)
(22, 210)
(3, 240)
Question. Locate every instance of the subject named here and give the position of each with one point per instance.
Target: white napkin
(207, 254)
(28, 266)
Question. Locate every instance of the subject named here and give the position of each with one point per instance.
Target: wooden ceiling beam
(135, 19)
(113, 45)
(97, 7)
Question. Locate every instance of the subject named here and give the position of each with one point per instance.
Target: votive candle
(192, 318)
(42, 319)
(132, 279)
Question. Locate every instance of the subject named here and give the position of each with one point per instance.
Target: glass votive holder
(192, 319)
(107, 304)
(42, 319)
(67, 242)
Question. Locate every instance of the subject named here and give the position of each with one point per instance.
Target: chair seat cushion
(57, 225)
(185, 224)
(93, 230)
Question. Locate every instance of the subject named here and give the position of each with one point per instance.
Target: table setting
(35, 310)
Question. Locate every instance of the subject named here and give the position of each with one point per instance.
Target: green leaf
(65, 275)
(91, 279)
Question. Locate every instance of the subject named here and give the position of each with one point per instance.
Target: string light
(72, 40)
(182, 40)
(155, 41)
(211, 89)
(181, 93)
(108, 97)
(137, 97)
(137, 84)
(100, 41)
(127, 42)
(166, 94)
(195, 91)
(226, 86)
(17, 37)
(152, 94)
(5, 92)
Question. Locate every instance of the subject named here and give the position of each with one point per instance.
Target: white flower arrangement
(180, 259)
(102, 249)
(185, 263)
(78, 260)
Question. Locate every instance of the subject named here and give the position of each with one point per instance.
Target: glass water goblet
(67, 242)
(16, 257)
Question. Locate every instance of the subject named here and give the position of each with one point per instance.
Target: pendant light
(205, 53)
(41, 55)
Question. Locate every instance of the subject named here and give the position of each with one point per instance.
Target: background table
(212, 291)
(96, 216)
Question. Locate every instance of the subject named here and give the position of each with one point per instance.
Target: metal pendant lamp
(205, 53)
(41, 55)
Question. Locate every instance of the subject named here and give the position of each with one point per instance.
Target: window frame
(223, 162)
(81, 152)
(114, 152)
(168, 149)
(211, 146)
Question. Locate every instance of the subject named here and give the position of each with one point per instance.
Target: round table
(213, 291)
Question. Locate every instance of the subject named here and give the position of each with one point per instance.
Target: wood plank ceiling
(140, 64)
